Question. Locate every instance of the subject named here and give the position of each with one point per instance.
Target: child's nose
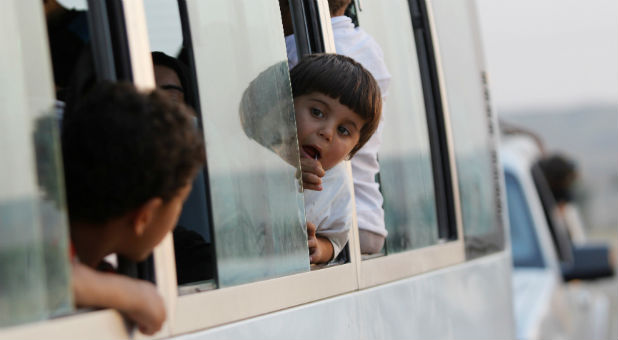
(326, 133)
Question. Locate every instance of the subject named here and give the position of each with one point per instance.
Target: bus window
(193, 242)
(34, 267)
(471, 124)
(88, 45)
(406, 176)
(247, 115)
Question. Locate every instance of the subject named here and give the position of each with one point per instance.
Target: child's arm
(320, 248)
(136, 299)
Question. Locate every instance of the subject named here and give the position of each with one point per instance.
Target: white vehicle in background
(550, 300)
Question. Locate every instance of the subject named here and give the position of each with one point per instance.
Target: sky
(550, 53)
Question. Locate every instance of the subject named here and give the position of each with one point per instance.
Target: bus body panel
(469, 301)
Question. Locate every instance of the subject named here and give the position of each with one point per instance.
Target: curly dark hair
(344, 79)
(122, 147)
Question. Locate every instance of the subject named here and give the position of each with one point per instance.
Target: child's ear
(145, 214)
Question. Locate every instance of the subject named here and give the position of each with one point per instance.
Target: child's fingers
(312, 187)
(314, 255)
(146, 330)
(311, 229)
(312, 244)
(312, 182)
(312, 166)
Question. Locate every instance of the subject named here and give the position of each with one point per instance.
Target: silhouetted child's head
(338, 106)
(266, 112)
(129, 160)
(560, 173)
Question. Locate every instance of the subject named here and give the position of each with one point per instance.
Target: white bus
(445, 270)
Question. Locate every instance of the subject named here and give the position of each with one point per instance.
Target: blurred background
(553, 69)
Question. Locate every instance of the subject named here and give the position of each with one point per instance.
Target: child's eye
(317, 113)
(343, 131)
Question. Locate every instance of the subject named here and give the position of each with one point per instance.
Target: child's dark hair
(162, 59)
(122, 148)
(344, 79)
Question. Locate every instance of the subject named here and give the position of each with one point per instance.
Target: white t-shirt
(331, 209)
(360, 46)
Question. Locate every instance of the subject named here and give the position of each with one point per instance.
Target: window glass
(164, 26)
(193, 244)
(248, 119)
(34, 266)
(473, 143)
(524, 243)
(406, 176)
(75, 4)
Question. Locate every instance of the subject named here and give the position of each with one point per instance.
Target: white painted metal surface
(469, 301)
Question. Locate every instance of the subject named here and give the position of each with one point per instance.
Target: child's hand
(320, 248)
(147, 310)
(312, 173)
(138, 300)
(312, 241)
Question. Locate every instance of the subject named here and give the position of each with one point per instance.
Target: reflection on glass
(406, 175)
(472, 140)
(250, 135)
(52, 210)
(34, 266)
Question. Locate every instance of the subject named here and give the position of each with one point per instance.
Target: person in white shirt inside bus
(356, 43)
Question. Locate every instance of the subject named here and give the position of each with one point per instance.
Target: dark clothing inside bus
(68, 39)
(194, 260)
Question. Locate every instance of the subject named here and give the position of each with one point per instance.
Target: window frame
(388, 268)
(491, 119)
(279, 293)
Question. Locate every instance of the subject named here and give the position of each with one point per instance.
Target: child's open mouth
(311, 151)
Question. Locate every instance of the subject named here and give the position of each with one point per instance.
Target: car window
(524, 242)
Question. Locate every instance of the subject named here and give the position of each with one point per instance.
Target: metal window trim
(106, 324)
(143, 78)
(261, 297)
(101, 40)
(446, 114)
(394, 267)
(435, 120)
(328, 39)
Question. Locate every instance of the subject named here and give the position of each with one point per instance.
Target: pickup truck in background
(552, 299)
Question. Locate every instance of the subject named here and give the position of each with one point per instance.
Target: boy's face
(163, 221)
(167, 79)
(327, 129)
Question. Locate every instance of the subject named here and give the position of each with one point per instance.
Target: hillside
(589, 135)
